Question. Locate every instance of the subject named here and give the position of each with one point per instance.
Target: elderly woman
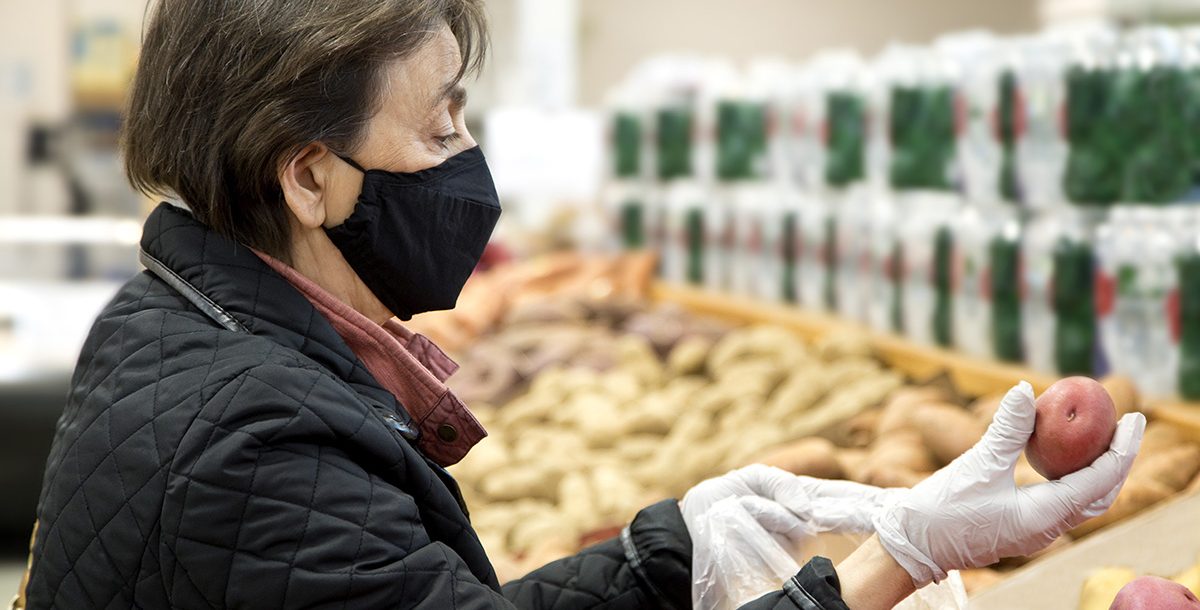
(251, 425)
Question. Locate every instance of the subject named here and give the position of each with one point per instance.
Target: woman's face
(419, 123)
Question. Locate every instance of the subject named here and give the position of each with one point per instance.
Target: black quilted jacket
(222, 447)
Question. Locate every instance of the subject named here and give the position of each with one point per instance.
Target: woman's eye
(448, 139)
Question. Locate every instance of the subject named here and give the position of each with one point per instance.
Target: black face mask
(415, 238)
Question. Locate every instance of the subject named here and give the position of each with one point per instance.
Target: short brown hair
(226, 92)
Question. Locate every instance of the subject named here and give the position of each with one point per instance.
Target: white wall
(34, 48)
(33, 84)
(128, 13)
(533, 59)
(616, 34)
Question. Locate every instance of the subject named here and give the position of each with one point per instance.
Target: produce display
(680, 400)
(638, 402)
(1118, 588)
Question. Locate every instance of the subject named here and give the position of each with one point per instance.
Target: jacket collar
(238, 284)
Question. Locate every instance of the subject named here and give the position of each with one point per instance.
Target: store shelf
(971, 376)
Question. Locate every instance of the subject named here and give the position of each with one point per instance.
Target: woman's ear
(305, 182)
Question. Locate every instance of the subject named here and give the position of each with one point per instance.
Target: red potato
(1154, 593)
(1075, 424)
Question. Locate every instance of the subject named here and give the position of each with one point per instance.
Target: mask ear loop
(352, 163)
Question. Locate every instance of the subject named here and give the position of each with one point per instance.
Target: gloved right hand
(971, 513)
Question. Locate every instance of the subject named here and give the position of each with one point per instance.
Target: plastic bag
(735, 560)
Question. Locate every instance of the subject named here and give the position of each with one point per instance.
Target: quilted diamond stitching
(308, 513)
(79, 487)
(362, 534)
(219, 389)
(263, 496)
(71, 567)
(237, 536)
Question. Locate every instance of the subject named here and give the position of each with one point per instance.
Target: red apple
(1074, 426)
(1154, 593)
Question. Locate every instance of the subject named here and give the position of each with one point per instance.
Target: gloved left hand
(816, 504)
(744, 524)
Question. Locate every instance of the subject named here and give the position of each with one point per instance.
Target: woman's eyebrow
(454, 93)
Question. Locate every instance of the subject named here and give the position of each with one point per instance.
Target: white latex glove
(744, 524)
(971, 513)
(820, 505)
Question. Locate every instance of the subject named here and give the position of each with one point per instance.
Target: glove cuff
(920, 567)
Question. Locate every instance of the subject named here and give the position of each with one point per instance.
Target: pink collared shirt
(406, 364)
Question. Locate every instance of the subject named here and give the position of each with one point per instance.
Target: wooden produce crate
(1162, 541)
